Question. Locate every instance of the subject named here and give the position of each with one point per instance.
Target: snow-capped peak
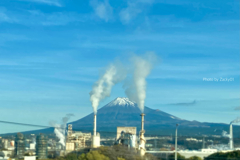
(121, 101)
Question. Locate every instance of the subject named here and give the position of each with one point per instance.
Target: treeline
(119, 152)
(116, 152)
(234, 155)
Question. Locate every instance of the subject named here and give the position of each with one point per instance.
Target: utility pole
(155, 142)
(176, 142)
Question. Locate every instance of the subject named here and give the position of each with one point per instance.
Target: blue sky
(52, 51)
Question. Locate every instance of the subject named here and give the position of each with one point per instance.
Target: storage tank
(41, 146)
(19, 145)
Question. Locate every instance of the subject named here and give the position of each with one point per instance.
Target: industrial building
(19, 145)
(127, 136)
(41, 146)
(76, 140)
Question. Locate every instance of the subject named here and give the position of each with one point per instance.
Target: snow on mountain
(121, 101)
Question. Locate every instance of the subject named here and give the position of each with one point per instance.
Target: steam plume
(224, 134)
(102, 88)
(237, 120)
(60, 129)
(136, 88)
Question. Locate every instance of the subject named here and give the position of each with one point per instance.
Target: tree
(117, 152)
(194, 158)
(95, 155)
(82, 157)
(71, 156)
(234, 155)
(179, 157)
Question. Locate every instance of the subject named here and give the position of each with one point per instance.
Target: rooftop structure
(19, 145)
(41, 146)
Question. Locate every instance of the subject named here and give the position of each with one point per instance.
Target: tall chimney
(95, 137)
(231, 137)
(142, 121)
(142, 139)
(95, 125)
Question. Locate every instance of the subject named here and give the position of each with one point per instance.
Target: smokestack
(95, 137)
(95, 125)
(142, 121)
(231, 137)
(142, 139)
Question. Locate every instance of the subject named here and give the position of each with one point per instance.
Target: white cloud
(36, 17)
(127, 14)
(47, 2)
(4, 17)
(102, 9)
(133, 9)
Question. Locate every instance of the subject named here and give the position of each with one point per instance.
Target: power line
(46, 127)
(30, 125)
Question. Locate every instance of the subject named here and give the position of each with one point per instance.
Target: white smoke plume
(60, 129)
(237, 120)
(224, 134)
(135, 89)
(102, 88)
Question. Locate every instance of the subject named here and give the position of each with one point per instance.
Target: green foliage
(179, 157)
(82, 157)
(117, 152)
(150, 157)
(194, 158)
(95, 155)
(234, 155)
(71, 156)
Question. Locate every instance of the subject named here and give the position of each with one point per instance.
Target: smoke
(102, 88)
(135, 89)
(224, 134)
(60, 129)
(237, 120)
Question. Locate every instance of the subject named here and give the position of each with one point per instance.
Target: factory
(127, 136)
(76, 140)
(42, 146)
(19, 145)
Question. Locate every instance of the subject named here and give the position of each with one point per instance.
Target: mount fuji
(123, 112)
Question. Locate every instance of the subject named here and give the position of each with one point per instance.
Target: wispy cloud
(47, 2)
(4, 38)
(237, 108)
(185, 103)
(102, 9)
(4, 17)
(37, 17)
(133, 9)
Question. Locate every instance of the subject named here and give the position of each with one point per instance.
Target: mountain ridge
(123, 112)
